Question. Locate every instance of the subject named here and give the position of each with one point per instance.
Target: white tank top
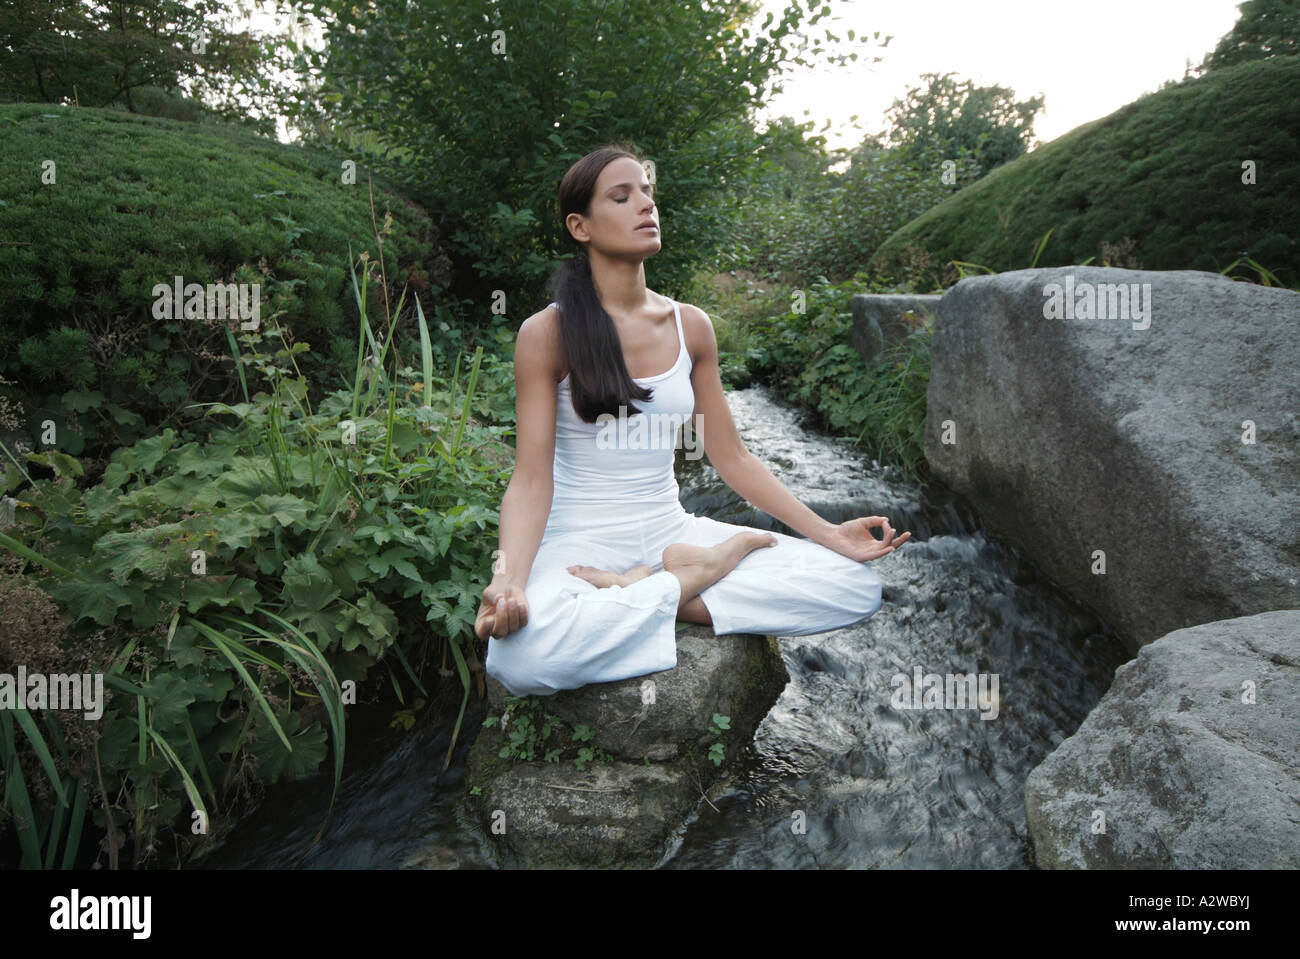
(620, 469)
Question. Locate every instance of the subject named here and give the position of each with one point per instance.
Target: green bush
(833, 228)
(1161, 176)
(808, 356)
(228, 589)
(135, 201)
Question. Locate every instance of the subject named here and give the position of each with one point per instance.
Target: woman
(598, 559)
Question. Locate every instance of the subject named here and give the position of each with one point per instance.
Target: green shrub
(808, 356)
(230, 589)
(836, 226)
(138, 200)
(1162, 174)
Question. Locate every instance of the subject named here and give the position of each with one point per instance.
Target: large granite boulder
(1190, 761)
(653, 733)
(881, 321)
(1134, 433)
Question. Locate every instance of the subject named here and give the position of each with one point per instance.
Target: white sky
(1087, 58)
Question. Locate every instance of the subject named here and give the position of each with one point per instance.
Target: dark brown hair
(598, 376)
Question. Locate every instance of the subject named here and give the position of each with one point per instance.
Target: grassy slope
(1164, 170)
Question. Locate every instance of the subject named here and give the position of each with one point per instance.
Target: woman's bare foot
(699, 567)
(606, 577)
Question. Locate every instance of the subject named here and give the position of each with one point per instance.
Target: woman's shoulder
(697, 330)
(539, 338)
(693, 314)
(545, 321)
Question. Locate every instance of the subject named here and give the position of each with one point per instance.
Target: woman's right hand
(502, 611)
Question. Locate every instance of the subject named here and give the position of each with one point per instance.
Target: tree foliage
(136, 54)
(1266, 28)
(956, 118)
(481, 109)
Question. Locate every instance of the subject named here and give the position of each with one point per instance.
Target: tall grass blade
(239, 363)
(463, 670)
(191, 790)
(409, 671)
(198, 758)
(76, 826)
(13, 545)
(426, 353)
(469, 396)
(42, 752)
(21, 469)
(17, 799)
(222, 644)
(1039, 252)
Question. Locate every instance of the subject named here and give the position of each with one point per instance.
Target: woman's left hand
(853, 538)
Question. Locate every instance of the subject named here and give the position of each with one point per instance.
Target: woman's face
(622, 201)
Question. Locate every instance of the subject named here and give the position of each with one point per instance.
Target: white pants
(578, 633)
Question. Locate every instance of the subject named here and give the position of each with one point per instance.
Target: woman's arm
(739, 468)
(749, 476)
(527, 500)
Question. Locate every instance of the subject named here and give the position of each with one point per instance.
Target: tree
(1266, 28)
(793, 164)
(482, 107)
(953, 119)
(101, 53)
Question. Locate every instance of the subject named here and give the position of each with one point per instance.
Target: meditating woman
(598, 559)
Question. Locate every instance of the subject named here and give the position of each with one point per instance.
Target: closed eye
(648, 192)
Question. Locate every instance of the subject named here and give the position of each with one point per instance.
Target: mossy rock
(651, 737)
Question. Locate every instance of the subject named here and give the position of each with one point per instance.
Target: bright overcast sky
(1087, 59)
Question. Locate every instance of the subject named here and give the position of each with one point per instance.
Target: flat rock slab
(1175, 768)
(882, 320)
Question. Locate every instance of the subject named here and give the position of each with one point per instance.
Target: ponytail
(598, 376)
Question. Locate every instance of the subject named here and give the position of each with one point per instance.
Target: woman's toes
(750, 541)
(597, 577)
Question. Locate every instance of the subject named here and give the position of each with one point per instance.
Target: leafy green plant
(719, 725)
(526, 728)
(245, 580)
(809, 356)
(837, 220)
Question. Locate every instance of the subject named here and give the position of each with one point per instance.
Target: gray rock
(1080, 435)
(654, 731)
(881, 321)
(1185, 772)
(661, 715)
(619, 815)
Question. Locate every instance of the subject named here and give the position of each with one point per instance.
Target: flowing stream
(837, 776)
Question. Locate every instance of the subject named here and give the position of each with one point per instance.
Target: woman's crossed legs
(740, 579)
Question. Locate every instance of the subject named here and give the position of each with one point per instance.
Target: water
(837, 777)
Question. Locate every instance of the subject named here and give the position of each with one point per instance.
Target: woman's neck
(620, 285)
